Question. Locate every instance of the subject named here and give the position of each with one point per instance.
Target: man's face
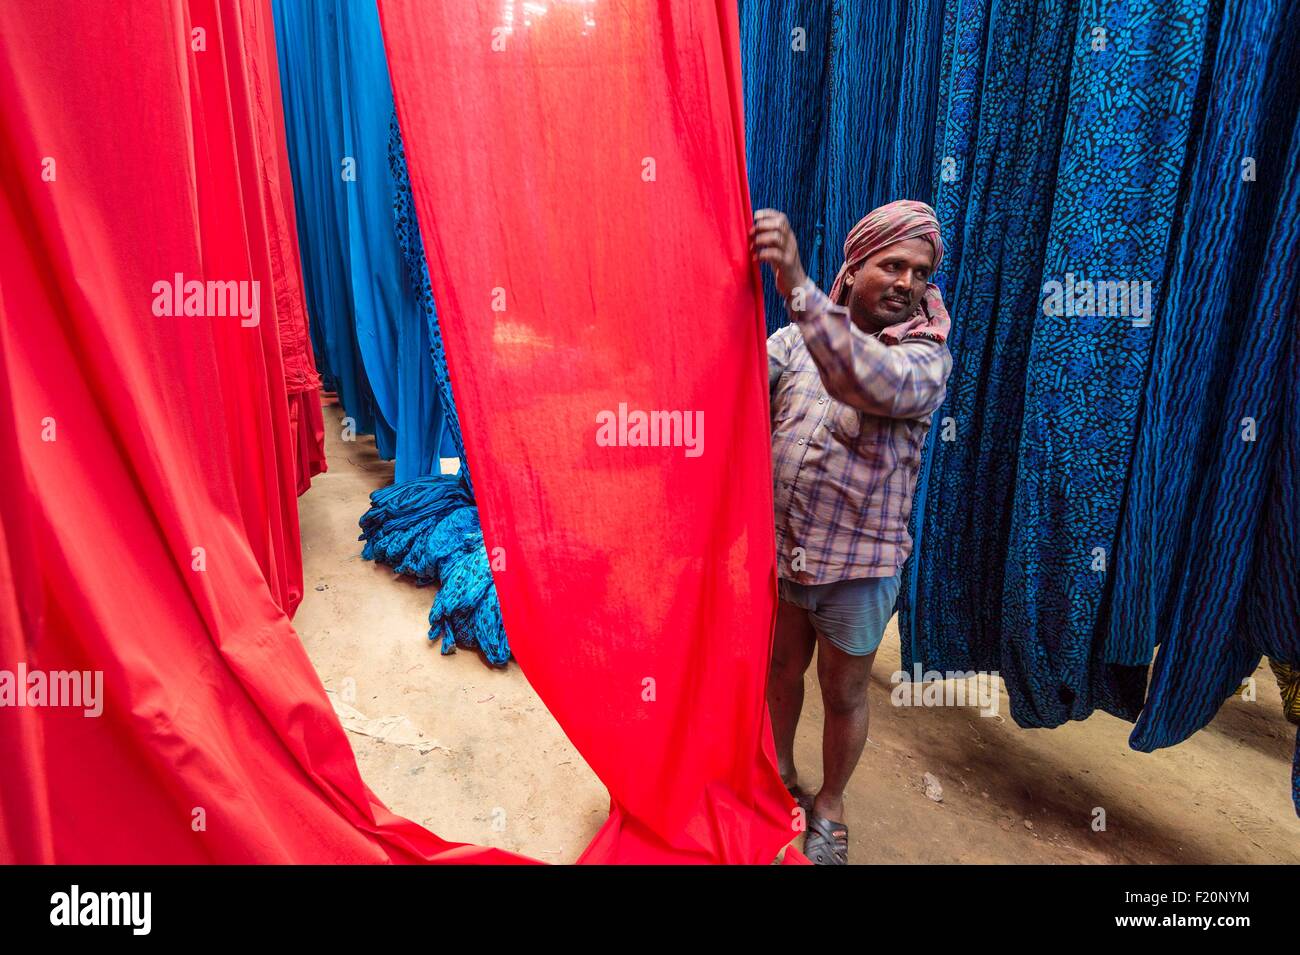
(889, 285)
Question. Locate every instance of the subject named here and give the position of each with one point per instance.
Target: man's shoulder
(786, 342)
(785, 335)
(922, 341)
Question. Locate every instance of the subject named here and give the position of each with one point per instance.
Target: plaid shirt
(846, 442)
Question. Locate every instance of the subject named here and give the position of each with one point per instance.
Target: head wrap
(884, 226)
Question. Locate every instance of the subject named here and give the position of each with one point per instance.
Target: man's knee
(844, 680)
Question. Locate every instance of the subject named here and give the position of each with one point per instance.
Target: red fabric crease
(639, 582)
(217, 742)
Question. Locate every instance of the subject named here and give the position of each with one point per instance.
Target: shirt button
(821, 401)
(801, 440)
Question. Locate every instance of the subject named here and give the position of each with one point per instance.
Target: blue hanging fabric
(1090, 493)
(785, 51)
(840, 103)
(1209, 547)
(1043, 407)
(881, 113)
(309, 79)
(416, 271)
(994, 198)
(390, 325)
(1116, 193)
(366, 321)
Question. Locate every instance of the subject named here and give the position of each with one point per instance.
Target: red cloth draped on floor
(147, 515)
(579, 176)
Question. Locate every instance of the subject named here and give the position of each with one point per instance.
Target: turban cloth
(882, 227)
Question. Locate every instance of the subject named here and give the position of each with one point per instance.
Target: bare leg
(792, 650)
(844, 680)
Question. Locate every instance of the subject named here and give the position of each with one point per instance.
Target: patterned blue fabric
(428, 528)
(1086, 493)
(417, 275)
(1044, 406)
(994, 198)
(1117, 185)
(1118, 506)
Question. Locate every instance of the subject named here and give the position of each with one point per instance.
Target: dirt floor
(484, 762)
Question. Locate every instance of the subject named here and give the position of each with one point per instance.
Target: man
(854, 380)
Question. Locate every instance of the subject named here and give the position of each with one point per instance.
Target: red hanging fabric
(148, 530)
(578, 171)
(256, 43)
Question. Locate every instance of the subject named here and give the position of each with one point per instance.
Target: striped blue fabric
(1213, 520)
(840, 113)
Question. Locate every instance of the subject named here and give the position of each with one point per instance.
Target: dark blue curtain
(1209, 541)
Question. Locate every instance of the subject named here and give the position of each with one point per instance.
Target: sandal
(827, 842)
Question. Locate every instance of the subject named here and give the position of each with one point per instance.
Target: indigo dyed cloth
(1210, 551)
(306, 45)
(1114, 482)
(368, 325)
(1018, 511)
(417, 275)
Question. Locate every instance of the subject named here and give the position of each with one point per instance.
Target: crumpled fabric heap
(428, 528)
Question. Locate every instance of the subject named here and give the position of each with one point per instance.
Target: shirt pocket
(846, 423)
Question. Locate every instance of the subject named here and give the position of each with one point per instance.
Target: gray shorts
(851, 614)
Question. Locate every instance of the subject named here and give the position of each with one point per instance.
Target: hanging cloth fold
(333, 100)
(138, 540)
(1209, 547)
(637, 580)
(1044, 402)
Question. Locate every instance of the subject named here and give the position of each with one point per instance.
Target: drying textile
(637, 578)
(370, 335)
(134, 529)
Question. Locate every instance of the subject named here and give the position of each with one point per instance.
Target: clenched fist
(771, 240)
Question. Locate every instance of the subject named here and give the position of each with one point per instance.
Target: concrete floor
(484, 761)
